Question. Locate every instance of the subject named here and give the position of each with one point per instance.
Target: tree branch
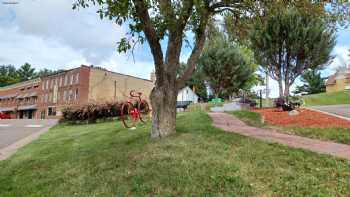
(151, 35)
(199, 45)
(175, 35)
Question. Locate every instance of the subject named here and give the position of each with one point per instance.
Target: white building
(187, 94)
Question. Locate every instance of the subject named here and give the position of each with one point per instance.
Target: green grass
(249, 117)
(342, 97)
(106, 160)
(340, 135)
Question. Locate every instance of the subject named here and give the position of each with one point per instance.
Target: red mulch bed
(306, 118)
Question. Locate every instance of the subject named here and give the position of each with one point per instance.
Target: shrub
(288, 103)
(91, 112)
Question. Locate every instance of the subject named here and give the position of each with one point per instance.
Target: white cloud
(80, 29)
(17, 48)
(49, 34)
(341, 57)
(125, 65)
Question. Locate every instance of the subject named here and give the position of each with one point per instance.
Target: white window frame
(77, 79)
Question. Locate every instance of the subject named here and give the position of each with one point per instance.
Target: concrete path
(340, 110)
(230, 123)
(16, 133)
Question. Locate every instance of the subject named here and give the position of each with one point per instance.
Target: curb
(330, 114)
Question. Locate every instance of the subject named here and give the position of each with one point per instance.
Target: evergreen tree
(313, 83)
(8, 75)
(227, 67)
(26, 72)
(289, 43)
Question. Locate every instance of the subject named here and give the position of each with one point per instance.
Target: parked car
(4, 116)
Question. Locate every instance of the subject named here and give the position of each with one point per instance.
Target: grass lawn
(341, 135)
(342, 97)
(105, 159)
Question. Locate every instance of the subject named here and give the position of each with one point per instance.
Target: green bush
(91, 112)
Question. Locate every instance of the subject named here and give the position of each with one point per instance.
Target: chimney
(153, 77)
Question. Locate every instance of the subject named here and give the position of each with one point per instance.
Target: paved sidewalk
(337, 110)
(14, 134)
(230, 123)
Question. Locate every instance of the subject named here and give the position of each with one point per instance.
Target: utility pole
(267, 89)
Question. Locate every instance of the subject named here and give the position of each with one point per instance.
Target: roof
(6, 109)
(21, 84)
(8, 96)
(27, 107)
(27, 95)
(331, 80)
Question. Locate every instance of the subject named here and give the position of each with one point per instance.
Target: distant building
(339, 81)
(187, 94)
(46, 97)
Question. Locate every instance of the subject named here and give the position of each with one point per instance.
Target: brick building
(45, 97)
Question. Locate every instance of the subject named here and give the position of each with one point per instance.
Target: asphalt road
(341, 110)
(14, 130)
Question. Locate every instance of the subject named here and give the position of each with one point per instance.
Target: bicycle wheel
(144, 111)
(126, 115)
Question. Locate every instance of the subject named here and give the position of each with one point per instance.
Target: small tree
(227, 67)
(313, 83)
(26, 72)
(289, 43)
(8, 75)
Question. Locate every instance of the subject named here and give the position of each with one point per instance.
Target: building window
(65, 80)
(58, 96)
(77, 78)
(60, 82)
(72, 79)
(65, 95)
(46, 97)
(52, 111)
(76, 94)
(47, 85)
(70, 95)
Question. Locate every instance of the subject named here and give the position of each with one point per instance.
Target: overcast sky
(49, 34)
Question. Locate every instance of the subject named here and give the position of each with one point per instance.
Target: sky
(49, 34)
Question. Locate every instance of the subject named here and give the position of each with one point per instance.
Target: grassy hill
(104, 159)
(333, 98)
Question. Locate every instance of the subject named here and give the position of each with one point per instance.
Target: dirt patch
(306, 118)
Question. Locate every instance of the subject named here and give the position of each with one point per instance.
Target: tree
(8, 75)
(169, 20)
(289, 43)
(26, 72)
(313, 83)
(227, 67)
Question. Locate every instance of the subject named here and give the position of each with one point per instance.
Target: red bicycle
(134, 109)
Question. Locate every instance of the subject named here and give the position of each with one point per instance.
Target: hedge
(91, 112)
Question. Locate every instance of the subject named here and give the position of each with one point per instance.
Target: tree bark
(286, 90)
(280, 86)
(163, 101)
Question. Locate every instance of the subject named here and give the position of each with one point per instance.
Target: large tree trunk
(286, 90)
(280, 86)
(163, 100)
